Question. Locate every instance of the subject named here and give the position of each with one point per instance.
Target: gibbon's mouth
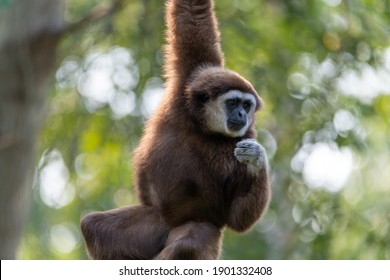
(235, 125)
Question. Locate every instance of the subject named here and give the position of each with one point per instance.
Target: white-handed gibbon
(198, 167)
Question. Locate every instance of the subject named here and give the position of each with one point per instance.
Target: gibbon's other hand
(248, 151)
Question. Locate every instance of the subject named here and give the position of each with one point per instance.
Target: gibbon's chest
(216, 162)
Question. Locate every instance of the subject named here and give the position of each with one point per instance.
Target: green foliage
(323, 70)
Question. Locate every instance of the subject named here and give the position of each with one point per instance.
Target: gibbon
(198, 167)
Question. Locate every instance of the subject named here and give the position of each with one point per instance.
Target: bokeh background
(322, 68)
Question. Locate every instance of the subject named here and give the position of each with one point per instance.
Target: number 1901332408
(242, 270)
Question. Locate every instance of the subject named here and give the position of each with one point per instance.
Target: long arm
(248, 207)
(192, 38)
(249, 204)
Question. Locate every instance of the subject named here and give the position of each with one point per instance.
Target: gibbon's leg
(135, 232)
(192, 241)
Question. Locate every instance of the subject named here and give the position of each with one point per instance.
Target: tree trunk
(29, 36)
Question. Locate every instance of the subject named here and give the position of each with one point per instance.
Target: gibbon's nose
(237, 119)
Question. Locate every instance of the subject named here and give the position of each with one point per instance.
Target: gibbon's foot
(248, 151)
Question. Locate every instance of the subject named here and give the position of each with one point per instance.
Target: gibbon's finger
(246, 151)
(247, 143)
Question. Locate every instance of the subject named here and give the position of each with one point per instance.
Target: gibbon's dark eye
(247, 105)
(232, 103)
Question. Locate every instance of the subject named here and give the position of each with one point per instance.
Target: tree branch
(96, 14)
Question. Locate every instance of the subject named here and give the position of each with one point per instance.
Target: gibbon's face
(231, 113)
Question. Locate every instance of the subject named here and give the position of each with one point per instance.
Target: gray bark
(29, 36)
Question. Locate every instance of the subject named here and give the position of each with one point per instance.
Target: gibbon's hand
(248, 151)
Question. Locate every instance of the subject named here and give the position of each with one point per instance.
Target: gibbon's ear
(195, 103)
(259, 102)
(200, 97)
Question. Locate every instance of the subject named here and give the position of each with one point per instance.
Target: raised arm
(192, 38)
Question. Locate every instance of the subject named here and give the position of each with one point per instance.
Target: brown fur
(190, 184)
(136, 232)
